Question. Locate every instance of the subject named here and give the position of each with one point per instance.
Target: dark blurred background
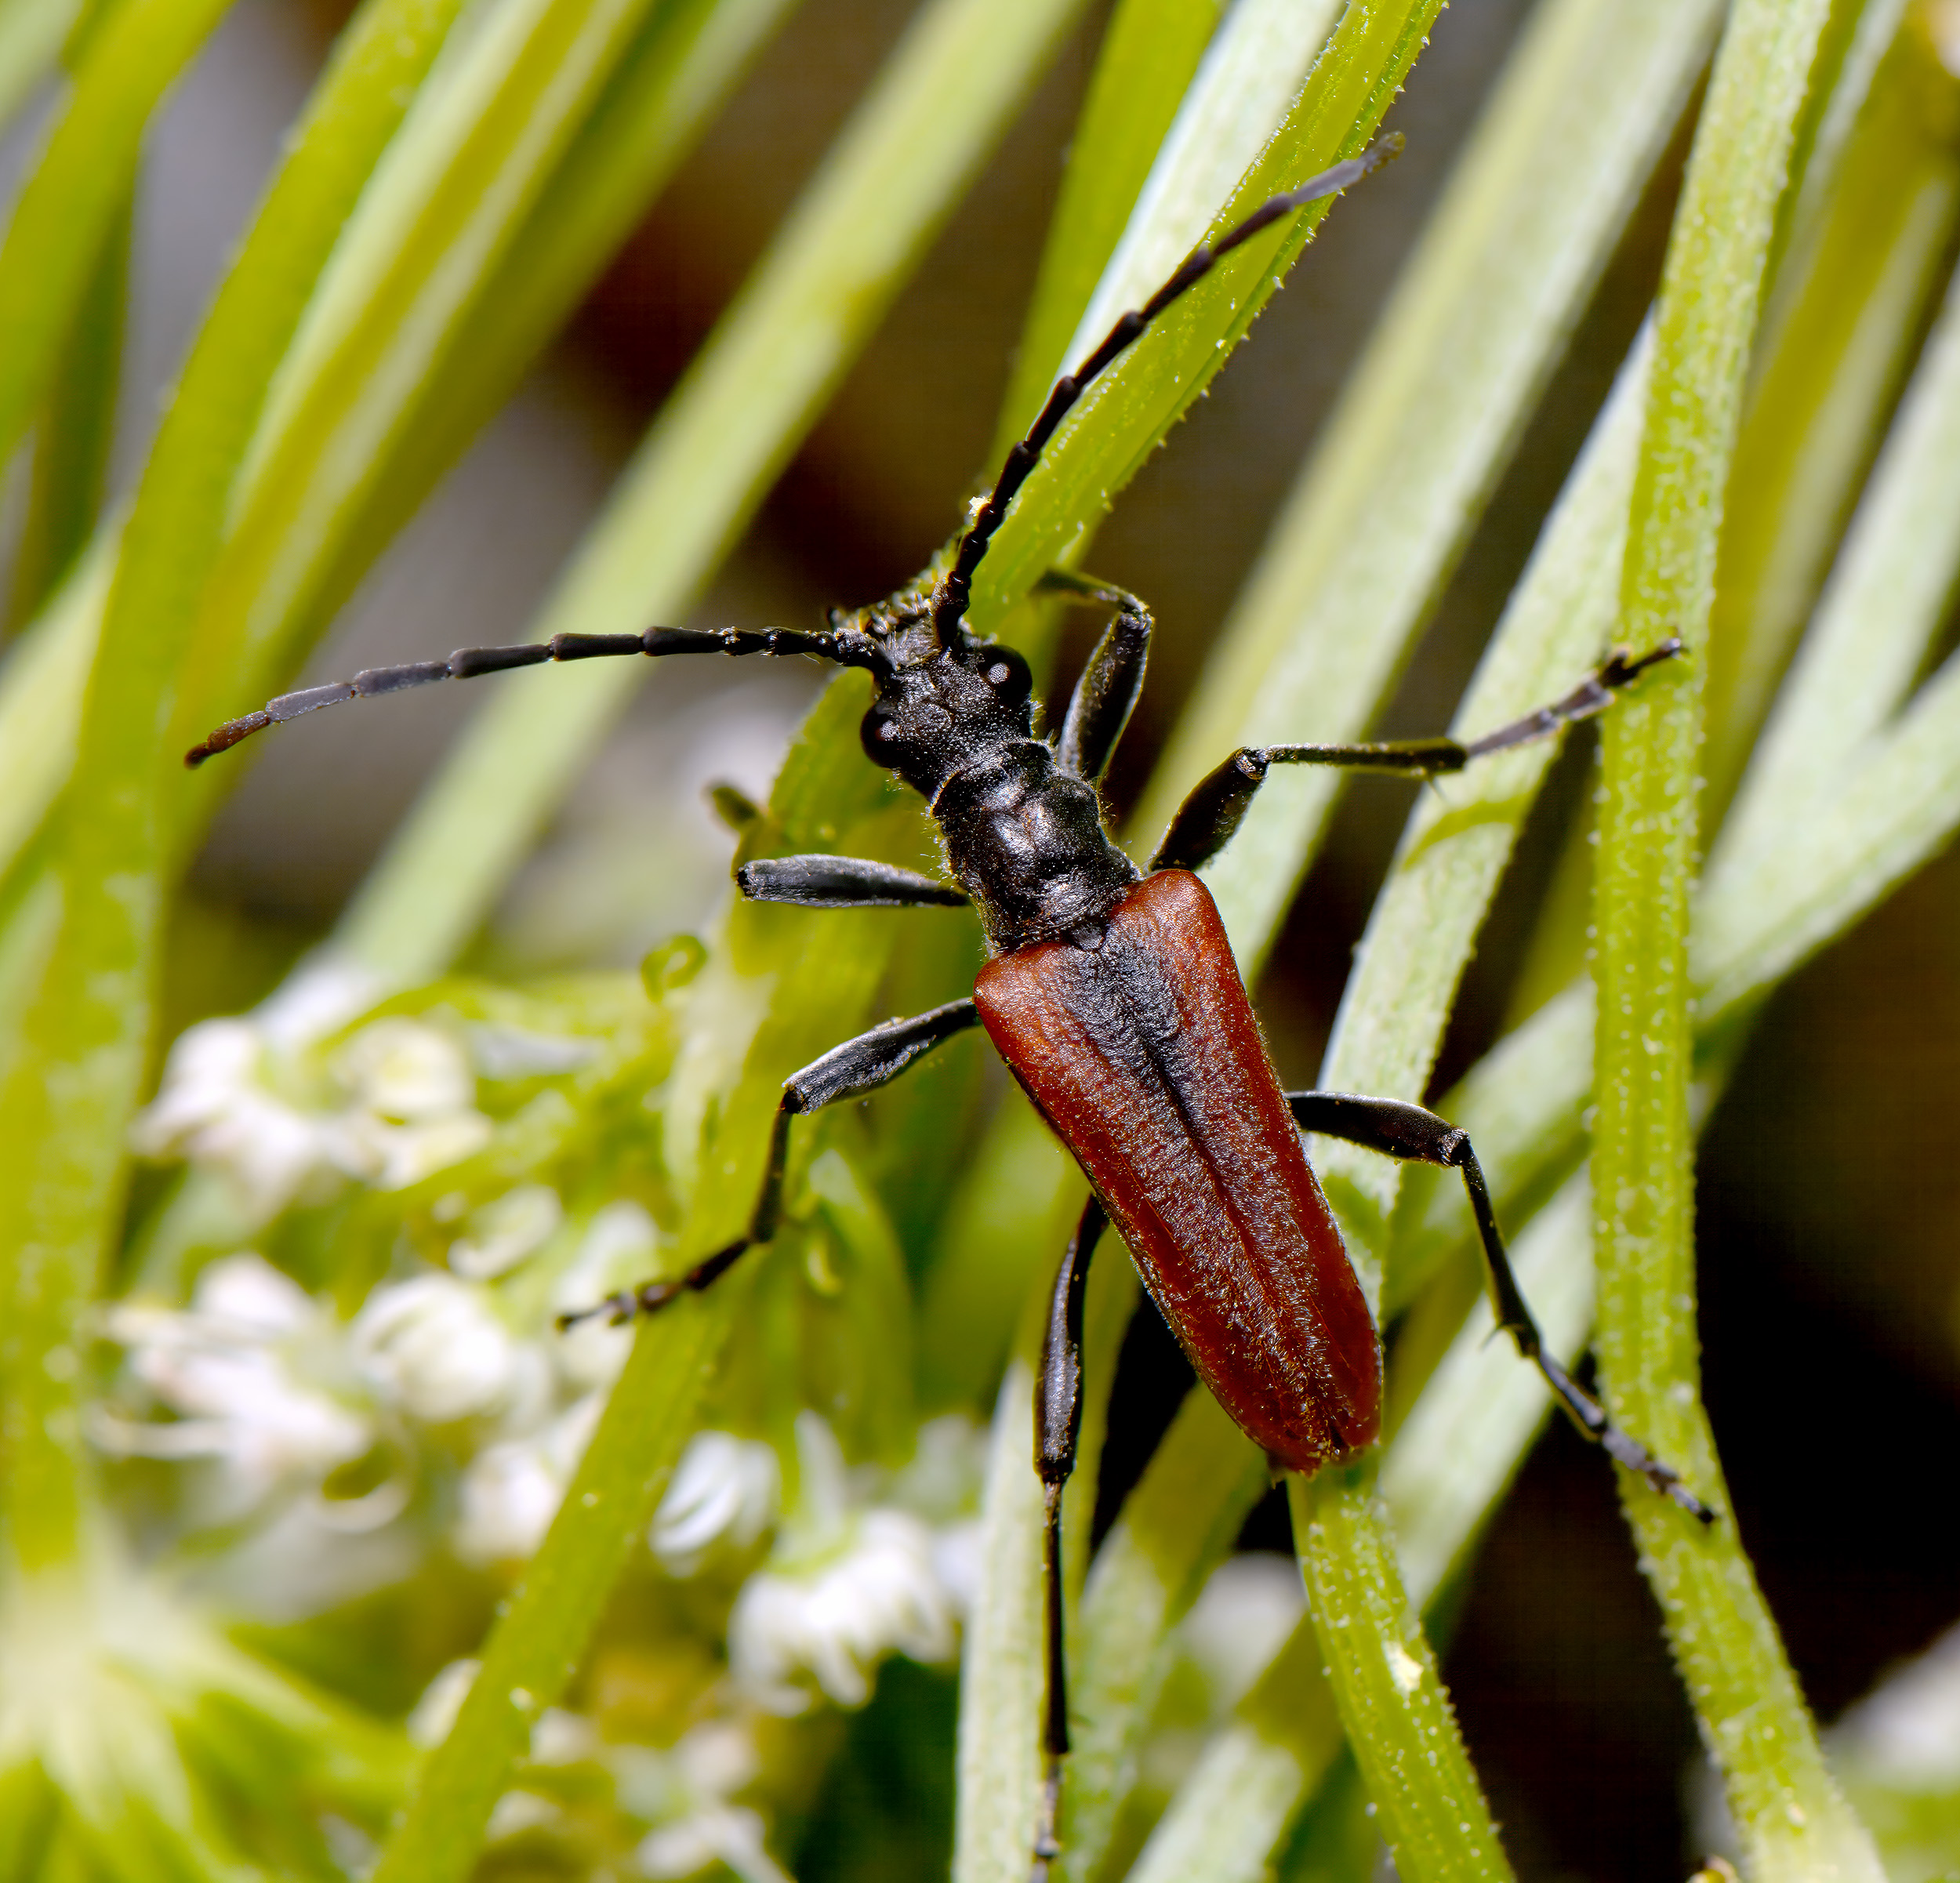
(1830, 1210)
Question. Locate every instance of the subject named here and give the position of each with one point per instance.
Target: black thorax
(1024, 838)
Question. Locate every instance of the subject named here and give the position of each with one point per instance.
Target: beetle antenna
(845, 647)
(955, 591)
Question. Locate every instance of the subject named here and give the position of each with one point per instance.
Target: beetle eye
(878, 734)
(1008, 675)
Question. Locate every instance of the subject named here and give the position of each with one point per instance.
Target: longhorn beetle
(1110, 993)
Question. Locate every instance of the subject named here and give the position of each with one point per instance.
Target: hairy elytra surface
(1143, 1053)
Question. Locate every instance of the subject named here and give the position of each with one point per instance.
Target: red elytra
(1144, 1055)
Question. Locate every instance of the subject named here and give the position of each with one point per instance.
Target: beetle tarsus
(1591, 696)
(849, 1071)
(649, 1297)
(1047, 1846)
(1591, 1419)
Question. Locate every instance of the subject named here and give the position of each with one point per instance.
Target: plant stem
(1826, 370)
(1178, 1524)
(1000, 1670)
(1792, 1819)
(1432, 1817)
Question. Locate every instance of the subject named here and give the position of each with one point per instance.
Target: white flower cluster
(853, 1578)
(280, 1399)
(254, 1371)
(248, 1098)
(338, 1445)
(277, 1396)
(864, 1564)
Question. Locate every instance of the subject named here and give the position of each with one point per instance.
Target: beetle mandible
(1111, 992)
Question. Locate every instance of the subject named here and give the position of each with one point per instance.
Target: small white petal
(510, 1497)
(142, 1439)
(518, 1811)
(956, 1562)
(560, 1738)
(291, 1565)
(680, 1849)
(435, 1713)
(250, 1295)
(732, 1834)
(511, 1491)
(209, 1064)
(503, 1233)
(226, 1364)
(532, 1393)
(435, 1347)
(592, 1353)
(717, 1757)
(319, 997)
(222, 1105)
(566, 1439)
(393, 1156)
(216, 1109)
(820, 1523)
(948, 1468)
(837, 1619)
(511, 1052)
(406, 1070)
(724, 1488)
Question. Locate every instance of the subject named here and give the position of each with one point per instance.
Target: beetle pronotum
(1111, 992)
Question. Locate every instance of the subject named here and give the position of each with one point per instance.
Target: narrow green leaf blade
(1433, 1816)
(1149, 50)
(62, 221)
(73, 1080)
(1791, 1816)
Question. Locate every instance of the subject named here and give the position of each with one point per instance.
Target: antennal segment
(949, 602)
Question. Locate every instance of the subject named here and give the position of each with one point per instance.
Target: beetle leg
(1057, 1424)
(1207, 818)
(822, 882)
(1407, 1131)
(859, 1066)
(1106, 695)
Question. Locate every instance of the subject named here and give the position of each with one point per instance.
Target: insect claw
(1625, 666)
(619, 1306)
(1703, 1513)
